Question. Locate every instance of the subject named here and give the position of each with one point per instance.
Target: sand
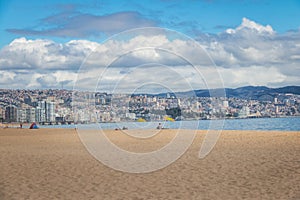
(54, 164)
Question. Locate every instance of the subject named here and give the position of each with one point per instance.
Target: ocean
(281, 124)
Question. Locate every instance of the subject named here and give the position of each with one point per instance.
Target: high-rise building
(45, 111)
(244, 112)
(21, 115)
(30, 114)
(26, 114)
(225, 104)
(276, 109)
(39, 115)
(41, 111)
(168, 95)
(2, 114)
(11, 114)
(50, 114)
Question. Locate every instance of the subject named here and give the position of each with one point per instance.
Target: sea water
(282, 124)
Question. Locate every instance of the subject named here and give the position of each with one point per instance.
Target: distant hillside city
(55, 106)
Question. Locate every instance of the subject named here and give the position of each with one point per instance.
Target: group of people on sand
(159, 126)
(12, 125)
(18, 125)
(124, 128)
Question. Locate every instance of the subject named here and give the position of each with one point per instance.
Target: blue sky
(251, 42)
(22, 18)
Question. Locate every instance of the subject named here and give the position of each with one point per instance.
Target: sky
(96, 44)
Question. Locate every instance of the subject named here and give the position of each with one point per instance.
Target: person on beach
(159, 126)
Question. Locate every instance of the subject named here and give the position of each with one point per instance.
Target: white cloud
(253, 46)
(252, 26)
(44, 54)
(253, 75)
(251, 54)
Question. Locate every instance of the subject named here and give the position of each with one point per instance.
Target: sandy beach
(54, 164)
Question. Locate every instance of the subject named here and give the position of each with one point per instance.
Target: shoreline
(132, 130)
(271, 124)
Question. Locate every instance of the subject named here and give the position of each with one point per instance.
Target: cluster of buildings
(43, 112)
(42, 106)
(64, 106)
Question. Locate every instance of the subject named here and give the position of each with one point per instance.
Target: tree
(173, 112)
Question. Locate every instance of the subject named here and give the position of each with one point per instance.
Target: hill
(247, 92)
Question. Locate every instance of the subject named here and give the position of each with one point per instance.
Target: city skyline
(258, 45)
(66, 107)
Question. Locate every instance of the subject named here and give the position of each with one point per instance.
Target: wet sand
(54, 164)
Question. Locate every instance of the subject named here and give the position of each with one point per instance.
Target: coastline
(276, 124)
(53, 163)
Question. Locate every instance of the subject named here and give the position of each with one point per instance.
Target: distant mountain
(247, 92)
(262, 93)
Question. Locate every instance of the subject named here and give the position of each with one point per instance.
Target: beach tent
(33, 126)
